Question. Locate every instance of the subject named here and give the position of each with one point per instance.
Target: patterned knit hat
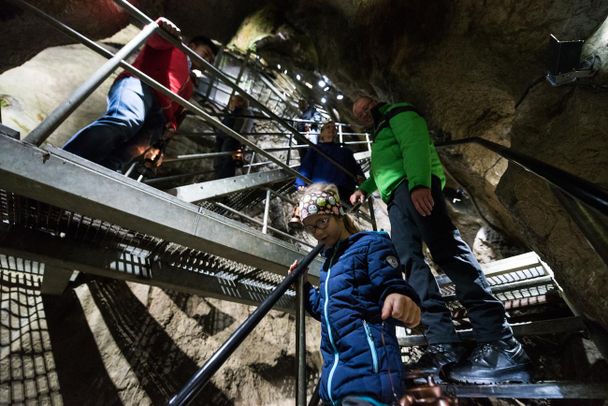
(320, 202)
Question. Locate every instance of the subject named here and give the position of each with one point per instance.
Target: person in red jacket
(135, 110)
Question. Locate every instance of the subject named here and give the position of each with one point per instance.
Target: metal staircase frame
(67, 183)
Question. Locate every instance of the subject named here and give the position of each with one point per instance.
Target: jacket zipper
(331, 339)
(372, 346)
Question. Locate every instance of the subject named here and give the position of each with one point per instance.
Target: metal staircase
(56, 207)
(60, 213)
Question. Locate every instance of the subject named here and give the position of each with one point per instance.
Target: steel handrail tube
(151, 82)
(193, 387)
(147, 79)
(574, 186)
(259, 223)
(221, 75)
(300, 342)
(191, 157)
(39, 134)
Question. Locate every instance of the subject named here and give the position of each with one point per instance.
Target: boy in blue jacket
(361, 296)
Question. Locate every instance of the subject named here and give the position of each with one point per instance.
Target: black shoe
(498, 361)
(435, 357)
(295, 224)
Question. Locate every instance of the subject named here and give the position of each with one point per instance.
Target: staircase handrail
(198, 381)
(577, 187)
(39, 134)
(144, 19)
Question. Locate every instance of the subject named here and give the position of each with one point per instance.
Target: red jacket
(167, 64)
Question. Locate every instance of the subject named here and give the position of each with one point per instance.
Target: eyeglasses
(321, 224)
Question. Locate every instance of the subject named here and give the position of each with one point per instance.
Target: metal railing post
(289, 150)
(193, 387)
(340, 134)
(57, 116)
(266, 212)
(300, 343)
(251, 163)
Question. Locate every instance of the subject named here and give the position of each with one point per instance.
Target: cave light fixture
(278, 66)
(298, 76)
(322, 83)
(326, 88)
(340, 96)
(565, 65)
(323, 100)
(285, 71)
(308, 85)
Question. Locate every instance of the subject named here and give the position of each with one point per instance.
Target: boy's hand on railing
(294, 266)
(402, 308)
(169, 27)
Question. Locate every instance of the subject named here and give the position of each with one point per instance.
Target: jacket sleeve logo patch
(392, 261)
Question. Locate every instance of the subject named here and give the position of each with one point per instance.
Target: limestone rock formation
(474, 69)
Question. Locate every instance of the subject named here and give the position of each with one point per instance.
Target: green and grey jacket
(402, 149)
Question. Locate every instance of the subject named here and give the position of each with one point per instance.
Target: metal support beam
(261, 223)
(60, 254)
(55, 280)
(554, 326)
(66, 181)
(215, 188)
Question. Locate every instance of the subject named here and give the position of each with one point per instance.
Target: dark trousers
(454, 257)
(225, 166)
(132, 111)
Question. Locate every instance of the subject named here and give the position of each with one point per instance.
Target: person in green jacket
(406, 170)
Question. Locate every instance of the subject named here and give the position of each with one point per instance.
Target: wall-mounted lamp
(565, 65)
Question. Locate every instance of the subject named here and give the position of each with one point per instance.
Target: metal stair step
(539, 390)
(553, 326)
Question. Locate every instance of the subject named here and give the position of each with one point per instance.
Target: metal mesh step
(139, 253)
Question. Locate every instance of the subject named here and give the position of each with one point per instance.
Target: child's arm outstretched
(312, 297)
(397, 298)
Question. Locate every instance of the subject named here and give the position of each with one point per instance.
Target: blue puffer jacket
(357, 275)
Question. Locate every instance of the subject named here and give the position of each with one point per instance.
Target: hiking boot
(435, 357)
(498, 361)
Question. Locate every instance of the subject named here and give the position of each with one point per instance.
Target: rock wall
(474, 69)
(111, 342)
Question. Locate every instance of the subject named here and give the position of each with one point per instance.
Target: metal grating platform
(126, 254)
(522, 281)
(69, 214)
